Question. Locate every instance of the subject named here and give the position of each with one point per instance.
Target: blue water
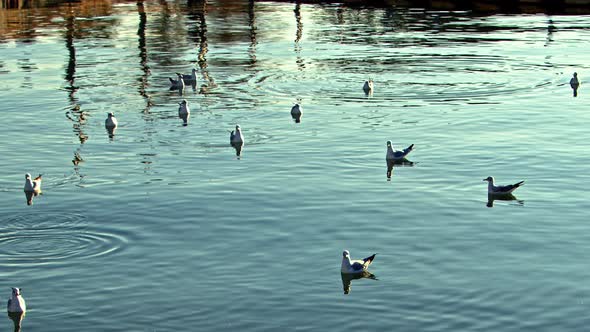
(161, 227)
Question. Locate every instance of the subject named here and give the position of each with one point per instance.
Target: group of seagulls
(349, 267)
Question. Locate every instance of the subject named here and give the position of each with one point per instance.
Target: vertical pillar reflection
(143, 56)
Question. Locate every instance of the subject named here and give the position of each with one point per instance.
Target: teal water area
(162, 227)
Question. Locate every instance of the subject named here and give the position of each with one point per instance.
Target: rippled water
(161, 227)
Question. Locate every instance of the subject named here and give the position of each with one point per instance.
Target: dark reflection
(143, 57)
(253, 28)
(71, 66)
(29, 196)
(550, 30)
(347, 279)
(238, 148)
(197, 11)
(399, 163)
(575, 84)
(502, 197)
(17, 318)
(299, 31)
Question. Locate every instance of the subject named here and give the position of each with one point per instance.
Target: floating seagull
(16, 303)
(296, 112)
(355, 266)
(236, 136)
(575, 84)
(393, 154)
(189, 78)
(177, 83)
(183, 111)
(32, 185)
(368, 86)
(500, 190)
(111, 121)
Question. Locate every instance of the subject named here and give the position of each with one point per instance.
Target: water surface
(162, 227)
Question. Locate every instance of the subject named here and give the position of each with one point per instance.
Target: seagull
(236, 136)
(188, 78)
(32, 185)
(355, 266)
(368, 86)
(111, 121)
(183, 111)
(500, 190)
(296, 112)
(16, 303)
(393, 154)
(575, 84)
(178, 83)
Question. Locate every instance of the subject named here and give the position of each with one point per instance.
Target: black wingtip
(519, 184)
(370, 258)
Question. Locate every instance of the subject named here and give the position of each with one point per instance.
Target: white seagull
(368, 86)
(500, 190)
(32, 185)
(183, 111)
(355, 266)
(177, 83)
(393, 154)
(111, 121)
(16, 303)
(236, 136)
(296, 112)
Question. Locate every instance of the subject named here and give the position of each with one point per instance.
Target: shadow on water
(348, 278)
(17, 319)
(504, 197)
(238, 147)
(399, 163)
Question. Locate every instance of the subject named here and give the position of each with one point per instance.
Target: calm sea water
(163, 228)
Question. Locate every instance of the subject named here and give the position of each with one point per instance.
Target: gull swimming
(355, 266)
(296, 112)
(397, 155)
(32, 185)
(575, 84)
(236, 136)
(111, 121)
(183, 111)
(500, 190)
(368, 86)
(177, 83)
(189, 78)
(16, 303)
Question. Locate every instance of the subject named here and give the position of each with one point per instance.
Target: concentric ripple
(54, 239)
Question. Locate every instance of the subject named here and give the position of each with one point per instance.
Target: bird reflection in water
(347, 278)
(238, 146)
(17, 318)
(504, 197)
(399, 163)
(29, 195)
(575, 84)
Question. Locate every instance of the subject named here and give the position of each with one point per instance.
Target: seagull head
(345, 253)
(183, 102)
(15, 291)
(111, 114)
(489, 179)
(27, 176)
(388, 143)
(237, 127)
(575, 74)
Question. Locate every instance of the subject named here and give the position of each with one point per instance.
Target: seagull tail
(39, 177)
(519, 184)
(367, 261)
